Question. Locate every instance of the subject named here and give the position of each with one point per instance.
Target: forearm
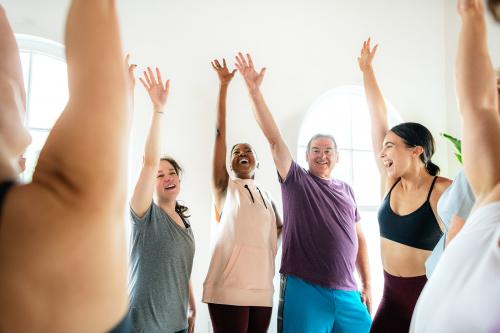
(362, 261)
(220, 124)
(10, 63)
(375, 100)
(153, 140)
(264, 118)
(219, 172)
(192, 301)
(476, 82)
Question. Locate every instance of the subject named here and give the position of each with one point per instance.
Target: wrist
(367, 69)
(158, 109)
(254, 92)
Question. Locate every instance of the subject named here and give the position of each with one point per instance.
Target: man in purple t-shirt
(322, 241)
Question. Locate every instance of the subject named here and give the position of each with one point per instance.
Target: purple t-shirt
(320, 243)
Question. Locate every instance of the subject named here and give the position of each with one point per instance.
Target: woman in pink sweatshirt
(239, 284)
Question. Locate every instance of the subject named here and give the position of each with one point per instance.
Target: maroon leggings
(397, 304)
(239, 319)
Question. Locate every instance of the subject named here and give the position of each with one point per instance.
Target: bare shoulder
(442, 183)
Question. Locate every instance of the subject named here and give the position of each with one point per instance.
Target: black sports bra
(418, 229)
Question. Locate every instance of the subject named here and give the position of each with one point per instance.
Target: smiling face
(243, 161)
(167, 182)
(322, 157)
(397, 157)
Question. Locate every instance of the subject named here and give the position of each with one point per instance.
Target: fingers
(262, 72)
(148, 79)
(144, 83)
(238, 67)
(250, 62)
(374, 49)
(241, 60)
(160, 81)
(213, 65)
(167, 87)
(152, 76)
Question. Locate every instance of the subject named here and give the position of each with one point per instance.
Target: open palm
(158, 92)
(366, 55)
(225, 76)
(247, 70)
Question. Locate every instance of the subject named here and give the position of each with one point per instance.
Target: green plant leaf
(457, 143)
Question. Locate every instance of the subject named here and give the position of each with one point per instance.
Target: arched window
(46, 84)
(343, 113)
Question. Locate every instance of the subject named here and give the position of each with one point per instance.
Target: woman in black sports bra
(409, 226)
(63, 257)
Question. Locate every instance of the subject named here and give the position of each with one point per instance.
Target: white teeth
(243, 160)
(387, 163)
(169, 187)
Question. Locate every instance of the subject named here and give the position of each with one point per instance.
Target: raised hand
(247, 70)
(366, 55)
(158, 92)
(469, 5)
(225, 76)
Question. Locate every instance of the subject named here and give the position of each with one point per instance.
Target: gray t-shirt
(458, 199)
(161, 262)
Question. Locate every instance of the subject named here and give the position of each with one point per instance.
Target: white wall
(308, 48)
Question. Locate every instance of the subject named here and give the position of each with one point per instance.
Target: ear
(307, 156)
(418, 150)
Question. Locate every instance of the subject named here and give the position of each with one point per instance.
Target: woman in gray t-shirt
(162, 241)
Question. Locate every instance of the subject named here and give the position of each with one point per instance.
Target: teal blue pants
(305, 307)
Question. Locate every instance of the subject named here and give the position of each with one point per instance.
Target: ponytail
(182, 210)
(432, 168)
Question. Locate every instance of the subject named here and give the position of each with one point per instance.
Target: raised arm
(62, 248)
(478, 103)
(143, 192)
(10, 64)
(279, 149)
(13, 136)
(220, 176)
(376, 103)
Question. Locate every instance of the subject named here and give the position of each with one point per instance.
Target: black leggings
(397, 304)
(239, 319)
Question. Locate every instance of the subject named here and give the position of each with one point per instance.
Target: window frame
(34, 45)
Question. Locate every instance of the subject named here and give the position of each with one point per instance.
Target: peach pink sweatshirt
(244, 247)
